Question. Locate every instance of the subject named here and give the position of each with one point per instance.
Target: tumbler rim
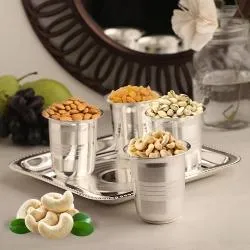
(76, 122)
(176, 118)
(136, 158)
(130, 103)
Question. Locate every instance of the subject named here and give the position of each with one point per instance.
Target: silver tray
(111, 181)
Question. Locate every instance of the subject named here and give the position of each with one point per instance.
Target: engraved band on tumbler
(188, 129)
(73, 147)
(159, 186)
(129, 121)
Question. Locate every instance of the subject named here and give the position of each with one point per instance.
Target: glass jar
(222, 76)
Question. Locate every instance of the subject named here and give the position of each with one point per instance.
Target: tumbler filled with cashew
(157, 163)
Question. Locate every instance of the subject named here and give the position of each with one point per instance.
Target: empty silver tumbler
(73, 147)
(159, 187)
(129, 121)
(188, 129)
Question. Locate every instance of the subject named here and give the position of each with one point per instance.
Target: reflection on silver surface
(159, 187)
(188, 129)
(129, 121)
(73, 147)
(111, 181)
(158, 44)
(124, 36)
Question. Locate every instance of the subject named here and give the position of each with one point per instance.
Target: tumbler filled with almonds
(157, 162)
(182, 116)
(128, 106)
(73, 137)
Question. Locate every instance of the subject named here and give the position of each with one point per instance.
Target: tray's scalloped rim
(120, 198)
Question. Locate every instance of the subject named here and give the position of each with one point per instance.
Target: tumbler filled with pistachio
(182, 116)
(128, 105)
(157, 162)
(73, 137)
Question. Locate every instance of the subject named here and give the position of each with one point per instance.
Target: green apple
(52, 91)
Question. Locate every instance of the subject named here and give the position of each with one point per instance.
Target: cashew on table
(51, 217)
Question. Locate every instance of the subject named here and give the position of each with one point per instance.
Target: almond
(87, 116)
(77, 117)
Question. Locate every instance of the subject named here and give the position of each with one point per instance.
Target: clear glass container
(222, 76)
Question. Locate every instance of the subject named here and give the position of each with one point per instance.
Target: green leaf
(82, 228)
(82, 217)
(18, 226)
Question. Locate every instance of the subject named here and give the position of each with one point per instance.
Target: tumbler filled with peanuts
(128, 105)
(157, 162)
(73, 137)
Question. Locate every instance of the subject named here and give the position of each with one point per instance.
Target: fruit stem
(21, 78)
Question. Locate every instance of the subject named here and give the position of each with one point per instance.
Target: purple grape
(26, 93)
(19, 138)
(14, 126)
(30, 116)
(36, 102)
(4, 130)
(34, 136)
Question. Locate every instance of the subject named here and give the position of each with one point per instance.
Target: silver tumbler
(159, 187)
(129, 121)
(125, 36)
(158, 44)
(73, 147)
(188, 129)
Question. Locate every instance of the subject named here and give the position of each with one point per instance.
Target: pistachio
(162, 113)
(182, 104)
(170, 112)
(174, 107)
(173, 100)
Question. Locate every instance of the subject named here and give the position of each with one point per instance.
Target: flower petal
(183, 25)
(200, 40)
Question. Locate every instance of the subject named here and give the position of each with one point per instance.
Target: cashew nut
(58, 231)
(171, 145)
(72, 211)
(37, 213)
(140, 154)
(158, 145)
(58, 203)
(150, 149)
(178, 151)
(22, 211)
(140, 145)
(155, 154)
(180, 145)
(31, 223)
(33, 216)
(50, 219)
(165, 152)
(165, 139)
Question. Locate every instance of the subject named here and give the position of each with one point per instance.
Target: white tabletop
(216, 214)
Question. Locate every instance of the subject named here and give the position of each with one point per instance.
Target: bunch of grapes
(23, 120)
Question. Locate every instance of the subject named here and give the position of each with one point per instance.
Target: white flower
(195, 23)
